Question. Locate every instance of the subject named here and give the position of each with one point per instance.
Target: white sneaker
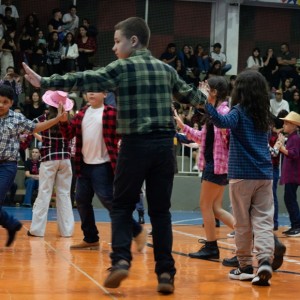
(263, 275)
(231, 234)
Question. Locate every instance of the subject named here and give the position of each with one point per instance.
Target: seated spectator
(170, 55)
(278, 104)
(56, 24)
(39, 54)
(14, 11)
(295, 102)
(32, 166)
(190, 64)
(7, 48)
(255, 61)
(71, 20)
(69, 53)
(32, 25)
(214, 70)
(181, 71)
(92, 31)
(216, 54)
(25, 47)
(203, 59)
(287, 64)
(270, 69)
(35, 107)
(54, 55)
(287, 89)
(9, 21)
(13, 79)
(87, 48)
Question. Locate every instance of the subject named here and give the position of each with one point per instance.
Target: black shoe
(30, 234)
(118, 273)
(12, 233)
(141, 219)
(279, 252)
(231, 262)
(217, 222)
(165, 283)
(288, 231)
(294, 232)
(207, 252)
(263, 275)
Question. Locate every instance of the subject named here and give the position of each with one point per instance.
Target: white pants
(56, 173)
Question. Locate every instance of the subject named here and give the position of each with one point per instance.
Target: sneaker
(231, 234)
(206, 252)
(231, 262)
(140, 240)
(118, 273)
(243, 274)
(279, 252)
(288, 231)
(165, 283)
(263, 275)
(85, 246)
(294, 232)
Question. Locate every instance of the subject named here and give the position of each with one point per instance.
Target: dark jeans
(275, 184)
(290, 200)
(31, 186)
(95, 179)
(150, 159)
(8, 171)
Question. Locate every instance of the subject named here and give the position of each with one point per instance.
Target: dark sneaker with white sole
(263, 275)
(243, 274)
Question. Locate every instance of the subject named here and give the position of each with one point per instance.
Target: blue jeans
(290, 200)
(31, 185)
(8, 171)
(225, 69)
(274, 187)
(151, 159)
(95, 179)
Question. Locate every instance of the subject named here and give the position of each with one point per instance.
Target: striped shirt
(249, 155)
(146, 87)
(11, 126)
(54, 146)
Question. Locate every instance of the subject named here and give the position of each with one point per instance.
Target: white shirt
(218, 56)
(276, 107)
(67, 18)
(14, 11)
(94, 150)
(254, 64)
(72, 51)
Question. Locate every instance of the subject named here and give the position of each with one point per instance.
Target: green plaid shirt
(145, 86)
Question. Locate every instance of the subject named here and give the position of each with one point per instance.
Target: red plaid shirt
(73, 129)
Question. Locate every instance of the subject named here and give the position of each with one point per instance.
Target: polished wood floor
(45, 268)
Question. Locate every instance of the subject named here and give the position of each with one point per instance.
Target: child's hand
(62, 115)
(178, 120)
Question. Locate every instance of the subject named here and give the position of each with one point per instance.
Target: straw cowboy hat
(293, 118)
(54, 98)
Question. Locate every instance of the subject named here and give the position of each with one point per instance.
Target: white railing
(186, 165)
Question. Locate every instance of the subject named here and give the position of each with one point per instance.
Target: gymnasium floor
(45, 268)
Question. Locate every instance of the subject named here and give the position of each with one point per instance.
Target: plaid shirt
(11, 126)
(220, 147)
(146, 87)
(249, 155)
(54, 146)
(74, 129)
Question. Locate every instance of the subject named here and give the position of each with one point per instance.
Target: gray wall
(185, 194)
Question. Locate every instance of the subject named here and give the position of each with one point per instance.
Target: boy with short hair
(146, 87)
(12, 124)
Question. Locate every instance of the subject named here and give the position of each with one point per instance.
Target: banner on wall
(291, 2)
